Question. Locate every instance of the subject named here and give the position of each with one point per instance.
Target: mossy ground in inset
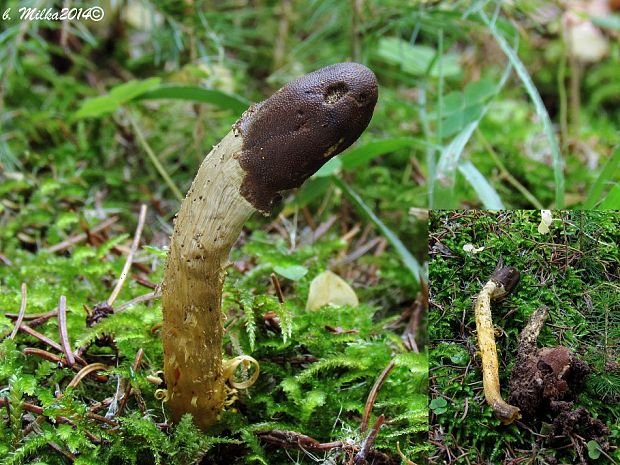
(574, 271)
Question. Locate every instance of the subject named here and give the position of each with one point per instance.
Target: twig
(276, 285)
(370, 402)
(419, 308)
(20, 315)
(60, 419)
(34, 319)
(323, 228)
(360, 457)
(137, 300)
(62, 330)
(360, 251)
(36, 426)
(100, 405)
(65, 453)
(308, 217)
(101, 419)
(297, 440)
(41, 337)
(56, 359)
(82, 237)
(33, 316)
(46, 355)
(84, 372)
(132, 252)
(144, 282)
(351, 233)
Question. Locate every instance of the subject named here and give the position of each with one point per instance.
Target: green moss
(323, 397)
(572, 270)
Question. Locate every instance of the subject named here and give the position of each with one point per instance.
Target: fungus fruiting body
(544, 383)
(275, 146)
(502, 282)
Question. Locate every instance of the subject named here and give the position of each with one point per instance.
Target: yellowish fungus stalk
(275, 146)
(501, 284)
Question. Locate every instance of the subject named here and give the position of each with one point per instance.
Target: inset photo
(524, 329)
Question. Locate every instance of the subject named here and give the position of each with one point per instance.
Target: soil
(544, 383)
(578, 421)
(545, 376)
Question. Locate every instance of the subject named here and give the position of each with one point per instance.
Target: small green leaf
(439, 405)
(594, 450)
(220, 99)
(104, 104)
(452, 124)
(477, 92)
(292, 272)
(452, 103)
(329, 168)
(612, 201)
(362, 154)
(416, 59)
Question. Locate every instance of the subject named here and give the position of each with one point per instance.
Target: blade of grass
(541, 111)
(432, 185)
(363, 154)
(506, 174)
(612, 201)
(430, 152)
(608, 175)
(445, 176)
(487, 195)
(408, 260)
(158, 166)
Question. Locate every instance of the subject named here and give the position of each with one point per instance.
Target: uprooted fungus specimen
(545, 381)
(501, 283)
(275, 146)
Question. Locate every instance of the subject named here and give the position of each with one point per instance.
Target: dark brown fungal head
(289, 136)
(507, 277)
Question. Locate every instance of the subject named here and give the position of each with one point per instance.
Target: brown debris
(544, 382)
(571, 421)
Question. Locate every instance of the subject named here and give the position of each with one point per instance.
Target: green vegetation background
(575, 271)
(98, 118)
